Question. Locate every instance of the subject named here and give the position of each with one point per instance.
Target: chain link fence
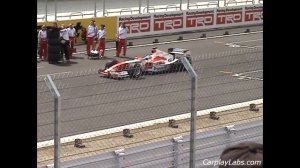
(91, 106)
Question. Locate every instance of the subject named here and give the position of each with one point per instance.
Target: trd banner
(137, 24)
(253, 13)
(229, 15)
(165, 21)
(193, 19)
(200, 18)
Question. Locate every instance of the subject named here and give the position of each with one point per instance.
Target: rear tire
(54, 42)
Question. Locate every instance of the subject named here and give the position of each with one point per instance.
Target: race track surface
(229, 69)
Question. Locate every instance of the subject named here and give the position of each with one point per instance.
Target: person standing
(72, 37)
(122, 39)
(101, 37)
(43, 43)
(65, 42)
(91, 34)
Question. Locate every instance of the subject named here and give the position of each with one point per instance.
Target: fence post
(57, 108)
(55, 10)
(180, 4)
(103, 8)
(229, 131)
(119, 157)
(147, 6)
(177, 150)
(95, 9)
(194, 76)
(140, 6)
(46, 10)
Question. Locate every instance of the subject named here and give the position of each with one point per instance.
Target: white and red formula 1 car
(157, 61)
(160, 61)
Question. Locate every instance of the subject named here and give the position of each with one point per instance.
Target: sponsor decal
(229, 16)
(254, 13)
(168, 21)
(138, 26)
(199, 18)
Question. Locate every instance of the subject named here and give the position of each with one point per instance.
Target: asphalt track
(230, 70)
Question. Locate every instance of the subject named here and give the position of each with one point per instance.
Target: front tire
(136, 72)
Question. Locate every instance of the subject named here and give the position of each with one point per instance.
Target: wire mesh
(44, 94)
(91, 103)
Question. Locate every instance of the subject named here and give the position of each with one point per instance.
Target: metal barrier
(69, 16)
(136, 10)
(159, 9)
(43, 18)
(76, 14)
(150, 8)
(125, 11)
(175, 152)
(172, 7)
(119, 12)
(90, 14)
(102, 14)
(209, 4)
(235, 2)
(212, 3)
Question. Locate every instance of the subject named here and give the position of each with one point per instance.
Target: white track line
(241, 76)
(147, 123)
(249, 78)
(55, 73)
(243, 73)
(235, 42)
(250, 46)
(247, 41)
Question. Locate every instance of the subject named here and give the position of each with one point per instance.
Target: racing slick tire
(136, 72)
(54, 42)
(53, 33)
(55, 50)
(54, 54)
